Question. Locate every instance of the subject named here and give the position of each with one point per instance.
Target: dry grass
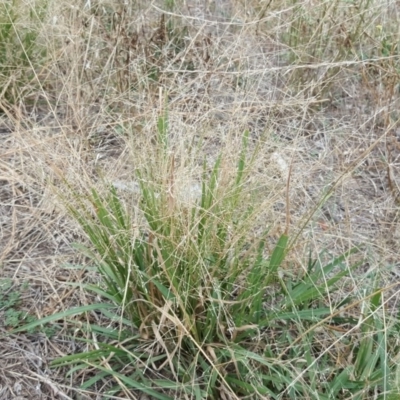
(315, 83)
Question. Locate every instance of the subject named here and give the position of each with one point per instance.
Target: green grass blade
(64, 314)
(137, 385)
(278, 255)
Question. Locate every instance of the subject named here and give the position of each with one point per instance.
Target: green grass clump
(192, 310)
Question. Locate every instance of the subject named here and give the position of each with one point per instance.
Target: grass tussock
(199, 200)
